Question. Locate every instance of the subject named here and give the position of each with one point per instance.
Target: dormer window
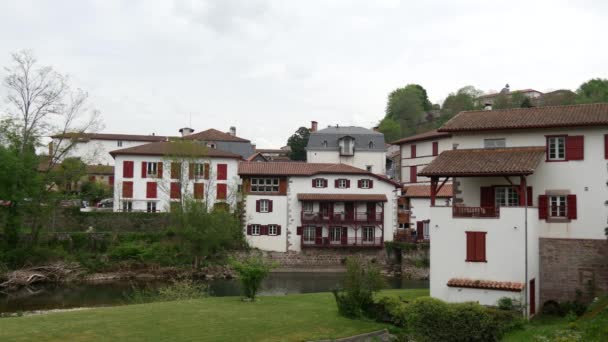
(324, 144)
(347, 146)
(211, 145)
(371, 145)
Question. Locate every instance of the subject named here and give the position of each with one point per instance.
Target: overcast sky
(268, 67)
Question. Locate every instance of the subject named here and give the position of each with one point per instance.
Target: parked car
(105, 204)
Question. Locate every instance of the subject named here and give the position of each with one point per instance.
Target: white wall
(424, 156)
(95, 152)
(361, 159)
(277, 243)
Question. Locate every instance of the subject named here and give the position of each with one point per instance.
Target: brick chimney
(313, 126)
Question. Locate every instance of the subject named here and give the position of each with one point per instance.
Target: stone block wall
(414, 263)
(324, 258)
(570, 264)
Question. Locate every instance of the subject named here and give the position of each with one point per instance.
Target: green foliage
(252, 272)
(464, 99)
(406, 106)
(509, 100)
(505, 303)
(362, 280)
(297, 143)
(176, 290)
(70, 171)
(390, 128)
(593, 91)
(95, 191)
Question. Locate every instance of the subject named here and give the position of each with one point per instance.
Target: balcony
(472, 212)
(358, 242)
(308, 217)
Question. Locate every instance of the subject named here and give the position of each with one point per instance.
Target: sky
(269, 67)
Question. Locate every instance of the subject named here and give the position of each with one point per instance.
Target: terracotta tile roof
(595, 114)
(291, 168)
(111, 136)
(342, 197)
(485, 162)
(430, 135)
(100, 169)
(425, 191)
(175, 148)
(486, 284)
(214, 135)
(256, 155)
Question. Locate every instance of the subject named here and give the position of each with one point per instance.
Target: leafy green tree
(509, 100)
(390, 128)
(593, 91)
(406, 107)
(362, 280)
(463, 99)
(297, 143)
(70, 171)
(252, 272)
(95, 191)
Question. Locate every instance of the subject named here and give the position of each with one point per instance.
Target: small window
(211, 145)
(127, 206)
(264, 206)
(119, 143)
(152, 169)
(557, 206)
(556, 148)
(319, 183)
(506, 197)
(264, 185)
(404, 225)
(273, 229)
(365, 184)
(309, 234)
(255, 229)
(200, 170)
(307, 207)
(371, 145)
(426, 230)
(335, 234)
(151, 207)
(368, 234)
(324, 144)
(494, 143)
(342, 184)
(369, 168)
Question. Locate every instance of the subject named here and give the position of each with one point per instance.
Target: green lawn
(281, 318)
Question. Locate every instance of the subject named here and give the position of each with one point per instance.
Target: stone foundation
(319, 259)
(567, 265)
(413, 264)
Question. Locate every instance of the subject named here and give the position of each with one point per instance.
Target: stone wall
(72, 219)
(415, 263)
(319, 259)
(570, 264)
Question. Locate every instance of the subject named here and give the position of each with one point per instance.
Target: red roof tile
(425, 191)
(342, 197)
(175, 148)
(485, 162)
(430, 135)
(214, 135)
(595, 114)
(486, 284)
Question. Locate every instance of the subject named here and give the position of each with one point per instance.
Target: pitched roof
(302, 169)
(430, 135)
(594, 114)
(214, 135)
(425, 191)
(175, 148)
(100, 169)
(257, 155)
(342, 197)
(328, 138)
(110, 136)
(485, 162)
(486, 284)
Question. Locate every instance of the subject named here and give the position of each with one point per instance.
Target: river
(75, 295)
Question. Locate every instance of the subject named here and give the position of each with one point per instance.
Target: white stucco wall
(361, 159)
(277, 243)
(95, 152)
(424, 156)
(139, 199)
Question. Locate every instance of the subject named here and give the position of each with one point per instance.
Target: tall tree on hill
(297, 143)
(390, 128)
(406, 107)
(593, 91)
(463, 99)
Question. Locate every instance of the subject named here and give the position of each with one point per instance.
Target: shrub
(176, 290)
(551, 307)
(127, 251)
(362, 280)
(252, 272)
(505, 303)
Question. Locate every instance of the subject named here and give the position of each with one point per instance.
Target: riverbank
(276, 318)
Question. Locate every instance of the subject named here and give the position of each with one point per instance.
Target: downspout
(525, 191)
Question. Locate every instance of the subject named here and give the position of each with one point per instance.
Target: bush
(252, 272)
(127, 251)
(505, 303)
(176, 290)
(362, 280)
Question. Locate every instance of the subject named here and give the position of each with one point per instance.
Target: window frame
(274, 227)
(254, 228)
(332, 235)
(127, 206)
(494, 140)
(152, 169)
(199, 170)
(305, 205)
(365, 184)
(151, 206)
(560, 210)
(255, 185)
(342, 183)
(119, 143)
(556, 149)
(264, 206)
(510, 195)
(319, 182)
(309, 234)
(366, 237)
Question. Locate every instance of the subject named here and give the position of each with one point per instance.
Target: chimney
(232, 131)
(313, 126)
(186, 131)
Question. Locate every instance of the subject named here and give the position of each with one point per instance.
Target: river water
(65, 296)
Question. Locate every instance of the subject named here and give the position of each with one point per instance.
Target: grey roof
(332, 134)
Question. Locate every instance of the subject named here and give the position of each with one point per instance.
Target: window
(347, 146)
(557, 206)
(342, 183)
(365, 184)
(335, 234)
(494, 143)
(175, 190)
(404, 225)
(324, 144)
(222, 171)
(476, 247)
(211, 145)
(127, 206)
(426, 229)
(151, 207)
(127, 189)
(319, 183)
(264, 185)
(273, 229)
(151, 188)
(371, 145)
(506, 197)
(556, 148)
(201, 171)
(199, 190)
(369, 168)
(255, 229)
(307, 207)
(119, 143)
(368, 234)
(413, 174)
(127, 169)
(309, 234)
(264, 206)
(221, 191)
(152, 169)
(435, 148)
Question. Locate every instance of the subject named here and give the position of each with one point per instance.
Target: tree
(297, 143)
(464, 99)
(593, 91)
(390, 128)
(69, 171)
(252, 272)
(361, 281)
(406, 107)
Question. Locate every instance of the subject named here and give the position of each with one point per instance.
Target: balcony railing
(325, 242)
(317, 217)
(491, 212)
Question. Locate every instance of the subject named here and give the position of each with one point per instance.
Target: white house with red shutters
(154, 177)
(525, 180)
(291, 206)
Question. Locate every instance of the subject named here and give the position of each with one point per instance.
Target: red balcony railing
(325, 242)
(317, 217)
(458, 211)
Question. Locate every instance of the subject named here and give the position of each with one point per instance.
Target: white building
(355, 146)
(525, 181)
(291, 206)
(155, 176)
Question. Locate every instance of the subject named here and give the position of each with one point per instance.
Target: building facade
(293, 206)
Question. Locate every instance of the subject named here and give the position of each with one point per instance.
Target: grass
(281, 318)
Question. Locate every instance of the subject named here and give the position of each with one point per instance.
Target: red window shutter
(348, 183)
(344, 237)
(248, 229)
(263, 230)
(160, 169)
(127, 169)
(413, 174)
(606, 146)
(206, 167)
(371, 183)
(336, 183)
(222, 171)
(175, 170)
(325, 182)
(435, 148)
(257, 206)
(175, 190)
(299, 230)
(571, 206)
(318, 235)
(575, 147)
(480, 246)
(470, 246)
(419, 230)
(543, 206)
(191, 171)
(269, 206)
(313, 182)
(221, 191)
(486, 196)
(111, 181)
(278, 230)
(151, 190)
(359, 183)
(199, 189)
(127, 189)
(529, 196)
(413, 151)
(144, 169)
